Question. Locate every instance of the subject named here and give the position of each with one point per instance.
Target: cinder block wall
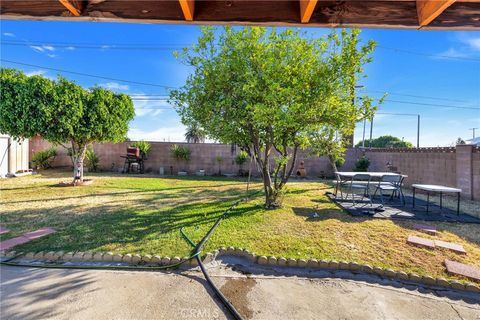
(454, 167)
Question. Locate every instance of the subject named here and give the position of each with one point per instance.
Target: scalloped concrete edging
(135, 259)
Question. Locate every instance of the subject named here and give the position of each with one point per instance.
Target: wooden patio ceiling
(409, 14)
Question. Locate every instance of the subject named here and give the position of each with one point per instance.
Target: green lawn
(143, 214)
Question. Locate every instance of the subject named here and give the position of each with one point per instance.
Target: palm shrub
(143, 146)
(92, 159)
(240, 160)
(181, 153)
(43, 159)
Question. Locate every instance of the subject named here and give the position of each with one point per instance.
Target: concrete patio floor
(30, 293)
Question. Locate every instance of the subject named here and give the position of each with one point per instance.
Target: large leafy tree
(386, 141)
(62, 112)
(267, 91)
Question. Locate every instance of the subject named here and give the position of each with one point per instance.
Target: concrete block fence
(263, 261)
(453, 166)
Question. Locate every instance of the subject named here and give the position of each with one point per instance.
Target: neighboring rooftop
(425, 14)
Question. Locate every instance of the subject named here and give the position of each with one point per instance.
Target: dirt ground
(32, 293)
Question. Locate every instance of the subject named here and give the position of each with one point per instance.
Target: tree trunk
(78, 168)
(333, 163)
(271, 193)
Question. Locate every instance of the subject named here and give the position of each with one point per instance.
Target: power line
(427, 54)
(96, 46)
(88, 74)
(173, 46)
(171, 87)
(415, 96)
(432, 105)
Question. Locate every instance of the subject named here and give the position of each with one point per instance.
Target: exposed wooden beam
(306, 10)
(70, 7)
(187, 7)
(428, 10)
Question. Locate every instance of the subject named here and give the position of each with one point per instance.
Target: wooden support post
(188, 7)
(428, 10)
(70, 7)
(306, 10)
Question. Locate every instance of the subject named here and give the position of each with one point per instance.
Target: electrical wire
(427, 54)
(88, 74)
(139, 96)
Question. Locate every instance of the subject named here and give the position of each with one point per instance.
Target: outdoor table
(377, 175)
(436, 189)
(374, 175)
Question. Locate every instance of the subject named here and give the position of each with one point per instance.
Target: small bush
(241, 158)
(43, 159)
(180, 153)
(143, 146)
(92, 159)
(340, 162)
(362, 164)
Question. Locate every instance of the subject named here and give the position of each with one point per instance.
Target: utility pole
(364, 120)
(473, 132)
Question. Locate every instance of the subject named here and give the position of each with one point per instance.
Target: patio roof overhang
(401, 14)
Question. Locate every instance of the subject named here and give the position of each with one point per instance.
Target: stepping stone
(3, 230)
(39, 233)
(451, 246)
(421, 242)
(463, 269)
(425, 228)
(10, 243)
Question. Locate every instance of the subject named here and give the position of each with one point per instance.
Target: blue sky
(407, 64)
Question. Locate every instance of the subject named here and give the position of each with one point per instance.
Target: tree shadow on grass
(141, 225)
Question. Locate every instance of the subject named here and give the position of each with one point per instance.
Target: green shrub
(143, 146)
(43, 159)
(92, 159)
(340, 162)
(180, 153)
(362, 164)
(241, 158)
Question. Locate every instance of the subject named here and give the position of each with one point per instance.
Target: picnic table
(376, 175)
(432, 188)
(345, 176)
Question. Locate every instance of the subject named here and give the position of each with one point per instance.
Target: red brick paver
(38, 233)
(425, 228)
(421, 242)
(451, 246)
(10, 243)
(463, 269)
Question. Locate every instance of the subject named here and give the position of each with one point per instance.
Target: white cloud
(8, 34)
(51, 55)
(43, 48)
(115, 86)
(70, 48)
(451, 53)
(35, 73)
(49, 48)
(145, 106)
(472, 42)
(37, 48)
(173, 133)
